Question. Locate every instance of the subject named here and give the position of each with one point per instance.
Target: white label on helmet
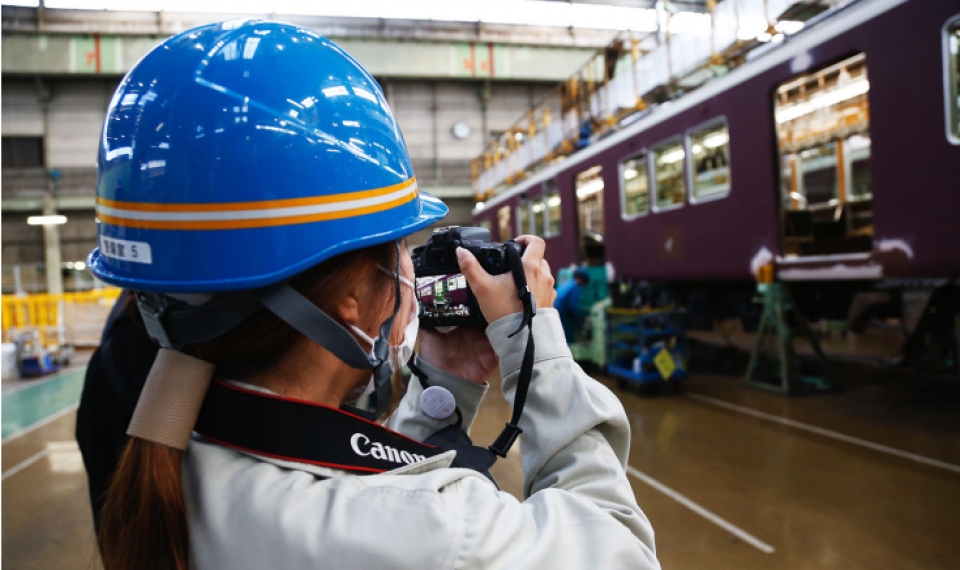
(134, 251)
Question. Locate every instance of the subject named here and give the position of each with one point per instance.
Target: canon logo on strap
(361, 446)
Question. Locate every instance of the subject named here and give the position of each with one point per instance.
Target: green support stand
(774, 365)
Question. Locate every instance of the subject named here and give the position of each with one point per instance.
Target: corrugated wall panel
(22, 114)
(75, 119)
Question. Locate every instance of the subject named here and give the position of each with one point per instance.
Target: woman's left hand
(465, 352)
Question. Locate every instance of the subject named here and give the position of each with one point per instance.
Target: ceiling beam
(164, 24)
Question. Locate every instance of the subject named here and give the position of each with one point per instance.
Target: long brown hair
(143, 523)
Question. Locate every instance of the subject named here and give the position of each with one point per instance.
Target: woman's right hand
(497, 294)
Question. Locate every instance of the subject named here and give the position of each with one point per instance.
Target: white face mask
(400, 354)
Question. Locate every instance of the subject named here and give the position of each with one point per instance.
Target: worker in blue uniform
(568, 304)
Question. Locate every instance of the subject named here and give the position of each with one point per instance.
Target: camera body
(445, 299)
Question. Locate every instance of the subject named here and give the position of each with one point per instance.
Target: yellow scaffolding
(70, 318)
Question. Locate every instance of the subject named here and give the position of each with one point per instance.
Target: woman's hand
(497, 294)
(465, 352)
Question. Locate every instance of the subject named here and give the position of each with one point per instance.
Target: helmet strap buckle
(152, 307)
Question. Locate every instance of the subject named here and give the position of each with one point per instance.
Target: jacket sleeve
(579, 509)
(409, 418)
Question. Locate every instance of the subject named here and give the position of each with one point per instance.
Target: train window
(553, 211)
(668, 182)
(823, 135)
(634, 187)
(523, 218)
(951, 77)
(503, 223)
(537, 213)
(709, 148)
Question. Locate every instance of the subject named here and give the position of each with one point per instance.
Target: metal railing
(626, 78)
(74, 319)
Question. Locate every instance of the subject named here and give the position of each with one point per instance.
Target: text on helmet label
(126, 250)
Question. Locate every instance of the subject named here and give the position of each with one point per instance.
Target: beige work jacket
(248, 511)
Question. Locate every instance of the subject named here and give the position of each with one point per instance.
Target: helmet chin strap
(174, 325)
(301, 314)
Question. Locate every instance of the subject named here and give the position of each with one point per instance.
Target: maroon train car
(834, 155)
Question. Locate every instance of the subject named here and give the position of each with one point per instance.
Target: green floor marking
(33, 404)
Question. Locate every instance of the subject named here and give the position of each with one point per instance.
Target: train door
(823, 134)
(589, 191)
(503, 223)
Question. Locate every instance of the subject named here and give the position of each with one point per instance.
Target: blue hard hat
(236, 155)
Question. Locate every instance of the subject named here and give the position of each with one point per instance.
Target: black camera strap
(512, 430)
(304, 432)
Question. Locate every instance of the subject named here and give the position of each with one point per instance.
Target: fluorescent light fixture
(553, 201)
(789, 26)
(79, 266)
(516, 12)
(823, 100)
(673, 156)
(55, 220)
(538, 207)
(590, 188)
(480, 206)
(715, 140)
(630, 173)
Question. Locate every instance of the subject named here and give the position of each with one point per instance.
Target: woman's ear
(348, 310)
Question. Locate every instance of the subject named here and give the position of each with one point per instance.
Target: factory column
(51, 247)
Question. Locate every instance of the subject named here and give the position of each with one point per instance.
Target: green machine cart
(594, 300)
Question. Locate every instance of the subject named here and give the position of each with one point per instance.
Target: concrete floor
(868, 477)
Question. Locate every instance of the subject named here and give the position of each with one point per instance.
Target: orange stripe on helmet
(254, 223)
(260, 205)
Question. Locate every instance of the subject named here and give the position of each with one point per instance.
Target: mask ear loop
(383, 388)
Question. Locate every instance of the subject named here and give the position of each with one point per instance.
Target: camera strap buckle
(506, 439)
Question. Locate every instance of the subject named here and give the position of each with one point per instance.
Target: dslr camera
(445, 299)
